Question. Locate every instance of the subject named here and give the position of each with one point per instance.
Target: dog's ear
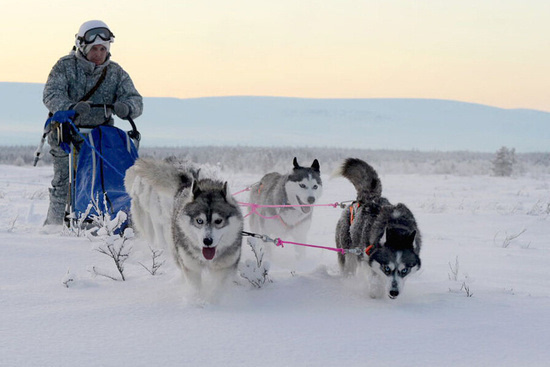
(411, 237)
(224, 190)
(295, 163)
(315, 165)
(185, 181)
(398, 239)
(196, 190)
(382, 240)
(196, 173)
(392, 237)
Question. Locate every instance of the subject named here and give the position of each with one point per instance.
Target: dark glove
(82, 108)
(121, 109)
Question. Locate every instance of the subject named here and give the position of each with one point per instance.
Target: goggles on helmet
(90, 36)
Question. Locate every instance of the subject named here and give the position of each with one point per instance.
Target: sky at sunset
(494, 52)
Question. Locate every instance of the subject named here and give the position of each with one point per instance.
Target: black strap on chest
(96, 86)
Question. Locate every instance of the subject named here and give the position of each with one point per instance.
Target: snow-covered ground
(482, 296)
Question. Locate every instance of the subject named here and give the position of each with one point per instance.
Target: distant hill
(403, 124)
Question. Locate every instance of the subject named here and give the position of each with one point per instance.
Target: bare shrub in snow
(116, 247)
(155, 261)
(508, 239)
(466, 289)
(454, 270)
(67, 279)
(12, 224)
(540, 208)
(454, 276)
(256, 271)
(109, 233)
(39, 195)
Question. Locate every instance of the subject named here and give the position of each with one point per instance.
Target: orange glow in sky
(490, 52)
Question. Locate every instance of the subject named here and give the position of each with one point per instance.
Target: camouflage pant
(59, 192)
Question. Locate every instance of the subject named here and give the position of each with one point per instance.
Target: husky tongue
(305, 209)
(208, 252)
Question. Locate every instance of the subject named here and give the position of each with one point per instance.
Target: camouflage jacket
(73, 76)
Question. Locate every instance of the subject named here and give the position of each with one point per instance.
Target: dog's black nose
(394, 294)
(207, 241)
(311, 199)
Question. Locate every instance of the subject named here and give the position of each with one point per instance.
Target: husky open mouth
(305, 209)
(208, 252)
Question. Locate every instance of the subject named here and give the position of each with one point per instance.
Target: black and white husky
(301, 187)
(386, 235)
(196, 218)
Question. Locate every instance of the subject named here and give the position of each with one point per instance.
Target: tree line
(505, 162)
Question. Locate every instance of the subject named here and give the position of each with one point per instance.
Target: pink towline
(254, 207)
(281, 243)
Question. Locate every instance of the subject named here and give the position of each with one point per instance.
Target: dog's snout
(394, 291)
(311, 199)
(207, 241)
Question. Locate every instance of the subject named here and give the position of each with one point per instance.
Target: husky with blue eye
(298, 189)
(197, 218)
(387, 235)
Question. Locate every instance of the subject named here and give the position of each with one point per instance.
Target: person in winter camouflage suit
(70, 79)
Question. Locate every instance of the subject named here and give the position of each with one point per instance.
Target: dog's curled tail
(363, 177)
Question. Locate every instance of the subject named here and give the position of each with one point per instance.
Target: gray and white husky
(301, 186)
(386, 235)
(196, 218)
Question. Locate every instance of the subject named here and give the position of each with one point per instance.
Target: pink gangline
(239, 192)
(280, 243)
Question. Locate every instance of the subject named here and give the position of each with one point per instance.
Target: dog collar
(368, 250)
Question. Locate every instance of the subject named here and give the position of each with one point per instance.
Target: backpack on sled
(98, 160)
(97, 180)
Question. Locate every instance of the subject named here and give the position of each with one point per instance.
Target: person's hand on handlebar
(82, 108)
(121, 109)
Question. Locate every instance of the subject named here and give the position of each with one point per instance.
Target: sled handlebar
(134, 133)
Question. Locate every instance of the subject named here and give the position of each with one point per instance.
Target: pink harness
(278, 242)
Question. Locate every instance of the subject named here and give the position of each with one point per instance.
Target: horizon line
(324, 98)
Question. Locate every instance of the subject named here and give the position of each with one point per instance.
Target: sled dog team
(194, 214)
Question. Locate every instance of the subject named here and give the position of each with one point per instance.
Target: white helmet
(93, 32)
